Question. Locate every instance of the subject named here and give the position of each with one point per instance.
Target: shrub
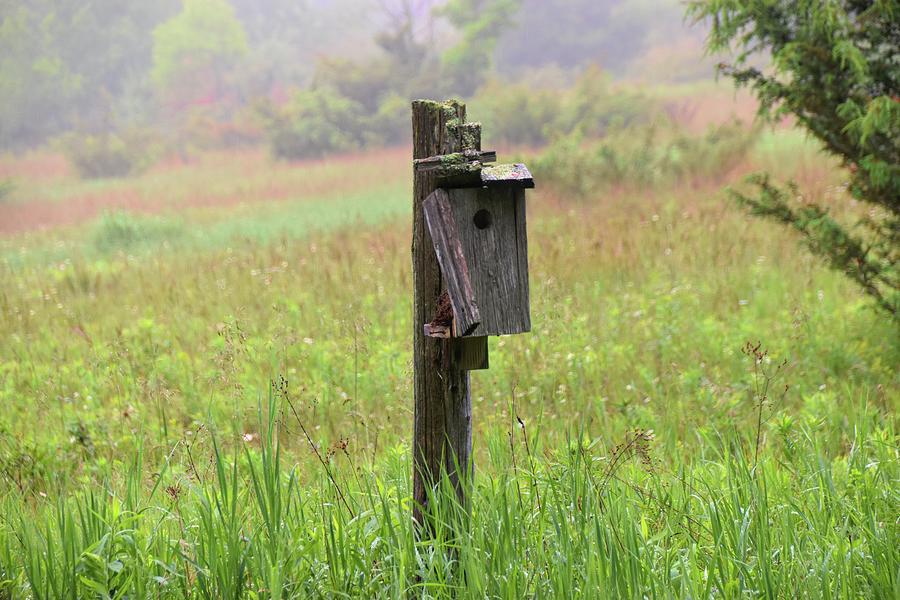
(363, 83)
(349, 108)
(312, 124)
(516, 113)
(390, 125)
(6, 189)
(708, 156)
(525, 114)
(121, 232)
(97, 156)
(594, 106)
(641, 156)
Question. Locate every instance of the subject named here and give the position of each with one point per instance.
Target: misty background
(312, 77)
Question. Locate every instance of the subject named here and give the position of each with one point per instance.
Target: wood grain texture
(496, 256)
(438, 331)
(472, 353)
(442, 430)
(449, 251)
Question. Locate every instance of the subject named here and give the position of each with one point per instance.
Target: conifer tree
(836, 70)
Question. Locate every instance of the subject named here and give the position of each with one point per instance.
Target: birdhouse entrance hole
(483, 219)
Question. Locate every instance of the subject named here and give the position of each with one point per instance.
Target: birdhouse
(476, 218)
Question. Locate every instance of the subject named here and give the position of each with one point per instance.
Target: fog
(179, 68)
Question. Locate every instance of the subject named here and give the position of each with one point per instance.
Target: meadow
(206, 379)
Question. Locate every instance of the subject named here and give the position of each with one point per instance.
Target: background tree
(66, 63)
(405, 63)
(836, 67)
(194, 51)
(480, 24)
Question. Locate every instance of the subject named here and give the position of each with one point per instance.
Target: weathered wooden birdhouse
(476, 218)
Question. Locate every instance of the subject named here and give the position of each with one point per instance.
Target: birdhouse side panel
(491, 228)
(439, 216)
(518, 194)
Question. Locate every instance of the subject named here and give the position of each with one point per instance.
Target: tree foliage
(480, 24)
(193, 51)
(66, 63)
(6, 189)
(109, 154)
(836, 70)
(314, 123)
(527, 114)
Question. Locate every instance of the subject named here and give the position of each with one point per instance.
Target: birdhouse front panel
(490, 223)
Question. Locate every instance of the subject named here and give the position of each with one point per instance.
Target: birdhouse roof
(469, 169)
(515, 174)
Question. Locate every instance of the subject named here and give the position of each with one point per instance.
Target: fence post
(442, 436)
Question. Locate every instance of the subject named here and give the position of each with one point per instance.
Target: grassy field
(206, 380)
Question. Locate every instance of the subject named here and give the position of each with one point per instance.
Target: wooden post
(442, 436)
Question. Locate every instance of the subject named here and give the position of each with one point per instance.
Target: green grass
(198, 230)
(580, 522)
(148, 449)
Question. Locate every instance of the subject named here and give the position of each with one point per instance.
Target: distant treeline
(308, 77)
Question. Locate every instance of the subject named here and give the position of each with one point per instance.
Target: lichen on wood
(468, 134)
(466, 163)
(457, 158)
(451, 109)
(503, 174)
